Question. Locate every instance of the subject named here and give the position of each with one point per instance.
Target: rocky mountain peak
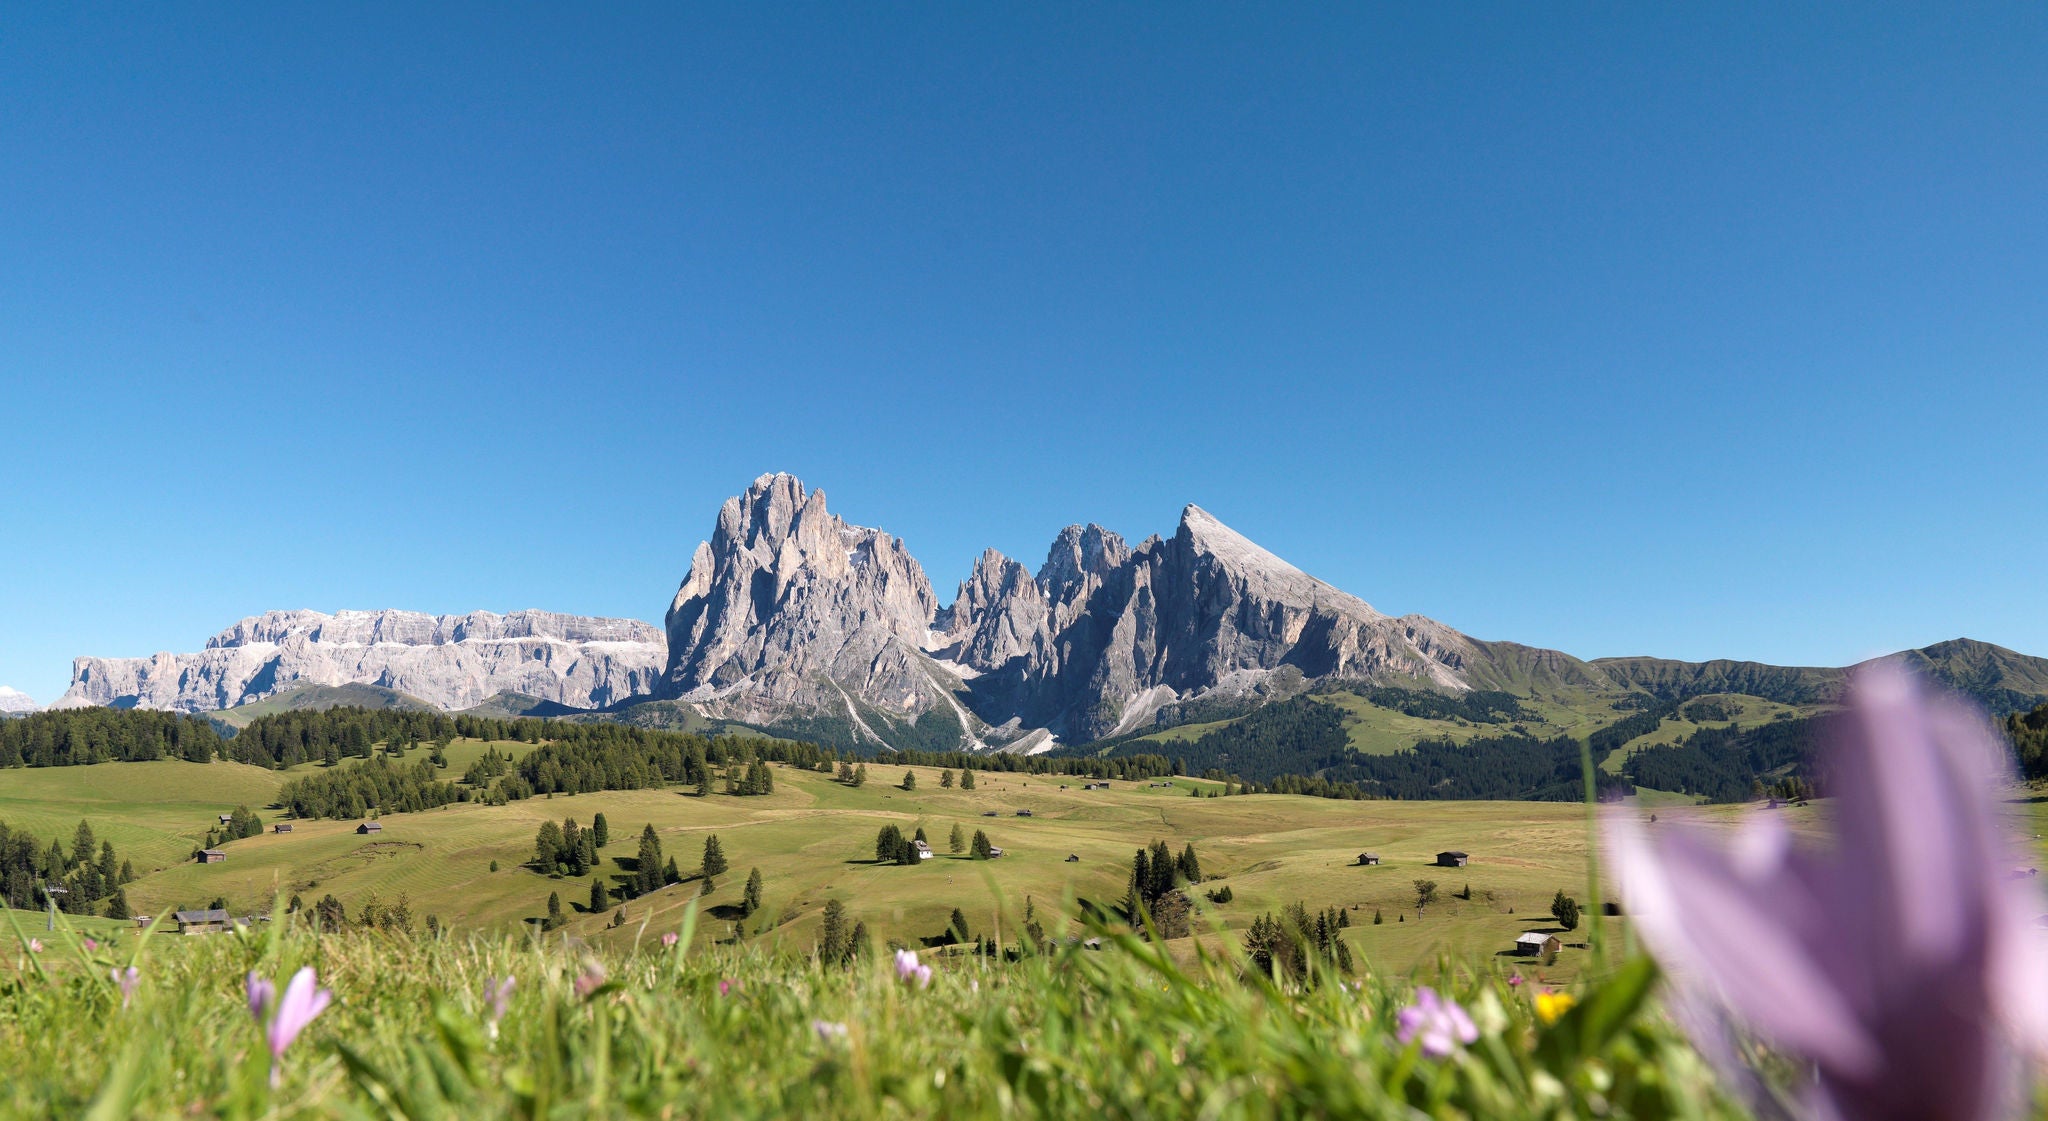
(1262, 574)
(14, 702)
(788, 605)
(1078, 556)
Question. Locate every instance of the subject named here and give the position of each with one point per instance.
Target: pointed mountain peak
(1204, 535)
(14, 700)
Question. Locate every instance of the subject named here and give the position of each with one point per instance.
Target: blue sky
(1697, 332)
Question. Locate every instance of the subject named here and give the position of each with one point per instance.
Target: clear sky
(1631, 329)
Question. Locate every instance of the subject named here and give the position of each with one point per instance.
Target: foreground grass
(1120, 1032)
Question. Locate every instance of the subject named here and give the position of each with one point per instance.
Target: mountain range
(791, 619)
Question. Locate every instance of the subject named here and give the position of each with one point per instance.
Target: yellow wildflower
(1550, 1005)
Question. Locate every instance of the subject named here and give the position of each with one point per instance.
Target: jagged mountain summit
(14, 702)
(450, 661)
(791, 617)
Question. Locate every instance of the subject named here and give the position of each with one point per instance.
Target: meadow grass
(1125, 1031)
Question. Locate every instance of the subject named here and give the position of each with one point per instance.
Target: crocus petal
(303, 1000)
(261, 992)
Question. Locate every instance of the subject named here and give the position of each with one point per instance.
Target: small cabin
(1537, 942)
(281, 827)
(990, 813)
(1368, 858)
(923, 850)
(1073, 858)
(211, 856)
(1023, 813)
(227, 819)
(1452, 859)
(142, 921)
(994, 851)
(203, 922)
(370, 827)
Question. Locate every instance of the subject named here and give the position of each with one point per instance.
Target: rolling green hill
(319, 698)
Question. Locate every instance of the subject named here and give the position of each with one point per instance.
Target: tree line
(91, 873)
(82, 736)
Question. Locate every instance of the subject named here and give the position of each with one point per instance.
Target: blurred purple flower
(1436, 1020)
(303, 1000)
(91, 945)
(727, 986)
(590, 980)
(35, 945)
(1896, 962)
(261, 995)
(497, 998)
(828, 1031)
(909, 970)
(129, 980)
(669, 940)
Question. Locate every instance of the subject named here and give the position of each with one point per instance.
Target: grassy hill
(318, 698)
(813, 841)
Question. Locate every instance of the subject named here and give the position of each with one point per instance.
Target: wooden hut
(203, 922)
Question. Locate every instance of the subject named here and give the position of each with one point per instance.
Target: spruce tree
(945, 780)
(1188, 866)
(966, 779)
(980, 847)
(600, 831)
(670, 874)
(957, 926)
(598, 899)
(910, 780)
(860, 776)
(834, 939)
(649, 877)
(750, 901)
(888, 841)
(957, 843)
(714, 857)
(858, 945)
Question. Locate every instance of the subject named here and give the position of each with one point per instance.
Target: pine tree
(1188, 866)
(980, 847)
(860, 776)
(966, 779)
(750, 901)
(957, 927)
(957, 842)
(1565, 910)
(600, 831)
(670, 874)
(858, 946)
(598, 899)
(945, 780)
(554, 918)
(117, 906)
(714, 857)
(1377, 918)
(888, 842)
(846, 773)
(1163, 872)
(649, 863)
(547, 847)
(920, 835)
(833, 941)
(910, 780)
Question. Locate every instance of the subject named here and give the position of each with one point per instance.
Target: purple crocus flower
(829, 1031)
(303, 1000)
(1896, 961)
(1438, 1021)
(129, 980)
(497, 998)
(669, 940)
(911, 971)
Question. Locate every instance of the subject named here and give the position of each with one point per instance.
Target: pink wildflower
(828, 1031)
(1895, 963)
(91, 945)
(1438, 1021)
(727, 986)
(129, 979)
(497, 998)
(35, 945)
(669, 940)
(303, 1000)
(590, 980)
(909, 970)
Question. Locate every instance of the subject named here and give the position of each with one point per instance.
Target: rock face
(1203, 613)
(789, 609)
(790, 614)
(14, 702)
(451, 661)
